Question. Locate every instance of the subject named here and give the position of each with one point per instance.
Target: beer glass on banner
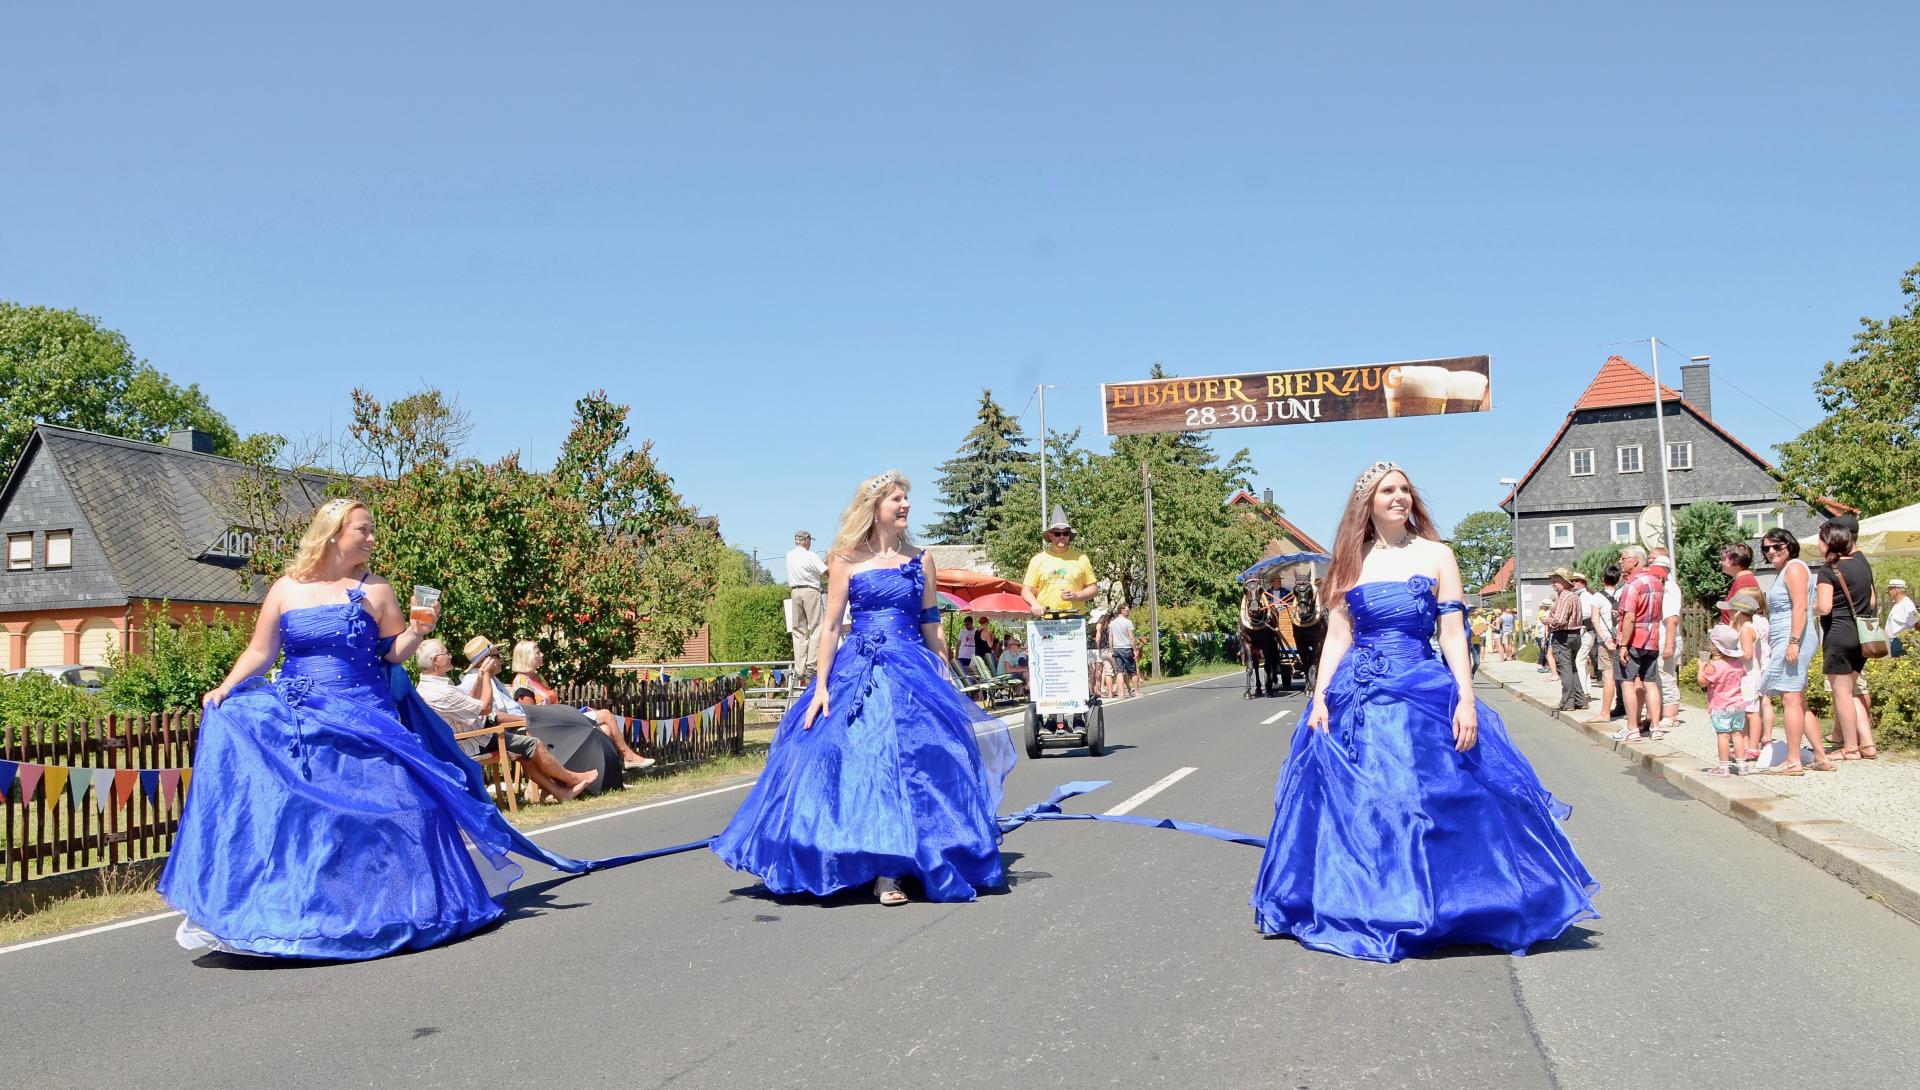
(425, 599)
(1421, 391)
(1466, 392)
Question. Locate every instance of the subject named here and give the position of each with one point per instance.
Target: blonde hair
(523, 653)
(320, 533)
(856, 522)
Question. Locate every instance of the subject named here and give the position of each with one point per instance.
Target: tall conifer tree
(973, 483)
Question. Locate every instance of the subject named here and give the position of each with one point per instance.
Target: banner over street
(1368, 391)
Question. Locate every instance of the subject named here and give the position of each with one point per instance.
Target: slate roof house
(98, 527)
(1600, 471)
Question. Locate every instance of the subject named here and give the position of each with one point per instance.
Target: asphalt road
(1118, 956)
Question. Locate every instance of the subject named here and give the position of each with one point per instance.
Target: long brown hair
(1355, 536)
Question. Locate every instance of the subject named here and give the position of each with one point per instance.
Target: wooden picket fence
(55, 836)
(45, 836)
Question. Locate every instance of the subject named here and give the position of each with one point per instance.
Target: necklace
(892, 550)
(1405, 540)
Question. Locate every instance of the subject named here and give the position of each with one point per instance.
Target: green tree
(973, 484)
(1866, 451)
(424, 426)
(1700, 530)
(177, 665)
(1482, 542)
(62, 367)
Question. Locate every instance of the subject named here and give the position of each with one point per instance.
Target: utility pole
(1660, 429)
(1153, 579)
(1041, 392)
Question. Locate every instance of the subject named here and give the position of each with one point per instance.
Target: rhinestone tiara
(1374, 472)
(881, 482)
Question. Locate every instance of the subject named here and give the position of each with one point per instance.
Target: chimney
(190, 439)
(1696, 385)
(1266, 497)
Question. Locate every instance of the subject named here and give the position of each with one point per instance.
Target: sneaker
(1718, 770)
(1624, 733)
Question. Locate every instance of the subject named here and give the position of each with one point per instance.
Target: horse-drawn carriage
(1282, 624)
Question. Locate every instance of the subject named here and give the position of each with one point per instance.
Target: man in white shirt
(1670, 649)
(806, 575)
(465, 711)
(1901, 616)
(1125, 663)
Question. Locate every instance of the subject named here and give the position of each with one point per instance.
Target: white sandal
(889, 892)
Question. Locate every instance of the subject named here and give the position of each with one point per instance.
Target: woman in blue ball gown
(328, 806)
(882, 771)
(1405, 819)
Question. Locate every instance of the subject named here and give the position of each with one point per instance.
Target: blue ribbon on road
(1050, 811)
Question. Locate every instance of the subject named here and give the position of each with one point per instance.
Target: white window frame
(1615, 534)
(1573, 462)
(65, 539)
(20, 552)
(1553, 535)
(1639, 459)
(1756, 521)
(1684, 446)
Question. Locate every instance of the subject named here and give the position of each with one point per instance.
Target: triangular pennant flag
(55, 782)
(149, 782)
(186, 781)
(29, 779)
(7, 769)
(124, 784)
(77, 781)
(169, 783)
(102, 788)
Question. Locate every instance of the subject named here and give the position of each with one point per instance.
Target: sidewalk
(1861, 824)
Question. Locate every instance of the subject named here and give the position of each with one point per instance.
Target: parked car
(92, 678)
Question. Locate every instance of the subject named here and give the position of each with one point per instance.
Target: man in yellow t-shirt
(1059, 578)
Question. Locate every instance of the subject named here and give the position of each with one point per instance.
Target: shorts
(1643, 664)
(1729, 722)
(1124, 662)
(520, 745)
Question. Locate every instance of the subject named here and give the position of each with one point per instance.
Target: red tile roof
(1244, 498)
(1500, 579)
(1620, 383)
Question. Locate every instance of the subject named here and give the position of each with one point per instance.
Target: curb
(1879, 868)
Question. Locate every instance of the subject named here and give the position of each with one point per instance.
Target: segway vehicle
(1062, 713)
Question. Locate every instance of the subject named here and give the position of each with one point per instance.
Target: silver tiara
(1374, 472)
(334, 505)
(881, 482)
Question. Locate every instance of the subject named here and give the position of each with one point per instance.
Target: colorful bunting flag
(7, 769)
(125, 782)
(55, 782)
(77, 781)
(186, 781)
(149, 782)
(29, 779)
(169, 783)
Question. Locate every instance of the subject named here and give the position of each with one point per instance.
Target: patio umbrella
(949, 600)
(999, 605)
(1895, 533)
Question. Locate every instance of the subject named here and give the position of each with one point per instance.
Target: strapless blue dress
(328, 810)
(1386, 842)
(901, 779)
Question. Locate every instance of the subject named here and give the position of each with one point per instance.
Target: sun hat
(1901, 583)
(1661, 562)
(1725, 640)
(1740, 602)
(477, 648)
(1578, 577)
(1565, 575)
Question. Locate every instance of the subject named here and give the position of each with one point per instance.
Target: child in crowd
(1749, 619)
(1721, 672)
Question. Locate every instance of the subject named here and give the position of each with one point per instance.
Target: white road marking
(1164, 782)
(19, 946)
(1275, 717)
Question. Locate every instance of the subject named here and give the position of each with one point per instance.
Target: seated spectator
(473, 709)
(527, 661)
(575, 740)
(1013, 660)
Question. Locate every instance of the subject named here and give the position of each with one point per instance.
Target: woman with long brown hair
(1404, 818)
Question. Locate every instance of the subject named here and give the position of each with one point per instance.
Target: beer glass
(424, 599)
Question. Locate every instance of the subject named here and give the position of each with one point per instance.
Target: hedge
(749, 624)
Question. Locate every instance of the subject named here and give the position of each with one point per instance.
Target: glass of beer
(425, 599)
(1466, 392)
(1421, 391)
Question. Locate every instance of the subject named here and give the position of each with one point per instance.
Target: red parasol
(999, 605)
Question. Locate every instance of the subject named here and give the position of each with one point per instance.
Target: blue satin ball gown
(328, 808)
(901, 779)
(1386, 842)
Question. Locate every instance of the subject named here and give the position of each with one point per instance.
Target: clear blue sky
(799, 239)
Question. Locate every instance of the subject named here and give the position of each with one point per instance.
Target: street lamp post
(1519, 607)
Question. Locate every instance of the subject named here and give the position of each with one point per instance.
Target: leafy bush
(36, 703)
(749, 624)
(1689, 677)
(1895, 684)
(178, 666)
(1700, 530)
(1594, 563)
(1529, 653)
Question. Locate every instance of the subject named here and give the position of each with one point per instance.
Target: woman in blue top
(1404, 819)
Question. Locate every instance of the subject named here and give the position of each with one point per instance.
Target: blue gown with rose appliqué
(1386, 842)
(331, 810)
(901, 779)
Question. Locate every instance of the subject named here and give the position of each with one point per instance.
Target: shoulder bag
(1873, 637)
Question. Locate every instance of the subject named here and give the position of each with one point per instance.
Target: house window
(1621, 532)
(1560, 535)
(59, 549)
(1680, 455)
(1629, 459)
(1757, 522)
(19, 552)
(1582, 462)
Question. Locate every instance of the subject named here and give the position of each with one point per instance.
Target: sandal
(1850, 753)
(889, 892)
(1869, 753)
(1782, 770)
(1824, 766)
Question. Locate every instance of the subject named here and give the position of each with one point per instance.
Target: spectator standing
(1845, 594)
(1901, 616)
(1507, 623)
(966, 646)
(1540, 638)
(1670, 642)
(806, 575)
(1638, 623)
(1583, 656)
(1606, 640)
(1721, 673)
(984, 648)
(1792, 640)
(1736, 560)
(1750, 621)
(1478, 630)
(1563, 635)
(1126, 663)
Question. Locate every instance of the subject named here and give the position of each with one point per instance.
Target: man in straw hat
(1059, 578)
(1563, 639)
(470, 710)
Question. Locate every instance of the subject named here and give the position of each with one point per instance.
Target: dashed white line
(1162, 784)
(1275, 717)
